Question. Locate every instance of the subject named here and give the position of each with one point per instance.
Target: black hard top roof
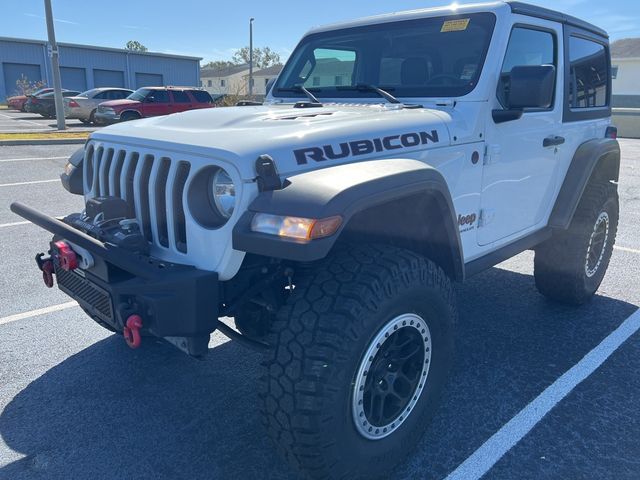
(547, 14)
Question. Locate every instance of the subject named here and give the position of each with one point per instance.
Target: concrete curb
(48, 141)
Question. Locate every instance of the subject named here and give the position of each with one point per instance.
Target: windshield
(430, 57)
(89, 93)
(139, 95)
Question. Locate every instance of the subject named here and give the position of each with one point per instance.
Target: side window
(588, 78)
(201, 96)
(159, 96)
(180, 97)
(102, 95)
(527, 46)
(331, 68)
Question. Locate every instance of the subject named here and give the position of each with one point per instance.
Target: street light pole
(55, 66)
(251, 57)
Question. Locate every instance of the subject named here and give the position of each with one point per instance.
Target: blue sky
(215, 29)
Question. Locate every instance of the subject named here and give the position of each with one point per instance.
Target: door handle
(553, 141)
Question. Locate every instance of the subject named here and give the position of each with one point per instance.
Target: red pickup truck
(151, 102)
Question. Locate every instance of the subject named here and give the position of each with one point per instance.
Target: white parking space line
(26, 159)
(625, 249)
(491, 451)
(14, 224)
(28, 183)
(35, 313)
(20, 120)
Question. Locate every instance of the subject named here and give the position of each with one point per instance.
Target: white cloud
(58, 20)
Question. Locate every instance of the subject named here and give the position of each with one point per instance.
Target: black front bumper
(176, 302)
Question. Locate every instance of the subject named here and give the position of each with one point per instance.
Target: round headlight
(224, 193)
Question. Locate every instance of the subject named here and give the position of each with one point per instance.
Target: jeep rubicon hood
(296, 138)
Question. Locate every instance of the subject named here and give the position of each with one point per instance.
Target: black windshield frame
(363, 73)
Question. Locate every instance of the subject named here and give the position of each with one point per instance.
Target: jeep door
(521, 167)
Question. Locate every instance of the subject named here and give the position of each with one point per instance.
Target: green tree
(135, 46)
(216, 64)
(262, 57)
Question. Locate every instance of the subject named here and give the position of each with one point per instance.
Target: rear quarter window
(201, 96)
(588, 74)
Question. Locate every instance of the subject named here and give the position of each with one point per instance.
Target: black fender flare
(346, 190)
(594, 157)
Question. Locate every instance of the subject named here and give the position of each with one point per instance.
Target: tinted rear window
(201, 96)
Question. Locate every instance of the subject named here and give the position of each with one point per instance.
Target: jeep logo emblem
(466, 219)
(364, 147)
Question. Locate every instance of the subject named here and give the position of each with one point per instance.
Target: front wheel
(362, 351)
(128, 116)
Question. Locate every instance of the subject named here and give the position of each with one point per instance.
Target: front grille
(153, 186)
(89, 295)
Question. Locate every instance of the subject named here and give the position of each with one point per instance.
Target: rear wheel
(362, 351)
(92, 117)
(570, 267)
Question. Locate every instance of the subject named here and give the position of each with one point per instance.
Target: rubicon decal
(364, 147)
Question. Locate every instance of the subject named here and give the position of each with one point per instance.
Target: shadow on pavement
(109, 412)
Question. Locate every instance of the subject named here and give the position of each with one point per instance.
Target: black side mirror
(150, 99)
(530, 86)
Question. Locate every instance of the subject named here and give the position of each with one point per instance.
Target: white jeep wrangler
(393, 155)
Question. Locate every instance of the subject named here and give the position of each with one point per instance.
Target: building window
(614, 71)
(222, 82)
(266, 80)
(316, 81)
(209, 83)
(338, 80)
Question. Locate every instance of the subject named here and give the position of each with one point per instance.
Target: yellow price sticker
(455, 25)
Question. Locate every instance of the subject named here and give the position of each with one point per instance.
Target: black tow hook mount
(45, 264)
(268, 178)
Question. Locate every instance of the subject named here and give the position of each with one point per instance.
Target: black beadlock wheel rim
(391, 376)
(597, 245)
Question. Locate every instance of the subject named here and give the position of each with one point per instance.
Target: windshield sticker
(455, 25)
(468, 71)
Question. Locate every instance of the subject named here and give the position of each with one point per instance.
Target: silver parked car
(83, 106)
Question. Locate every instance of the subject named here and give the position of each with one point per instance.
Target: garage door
(148, 80)
(108, 78)
(73, 78)
(14, 71)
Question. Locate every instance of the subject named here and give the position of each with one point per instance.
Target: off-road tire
(320, 338)
(562, 269)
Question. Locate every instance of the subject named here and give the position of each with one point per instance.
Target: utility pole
(251, 57)
(55, 66)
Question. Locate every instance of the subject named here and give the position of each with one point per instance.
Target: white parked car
(393, 156)
(84, 106)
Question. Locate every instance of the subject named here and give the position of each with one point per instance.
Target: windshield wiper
(302, 89)
(365, 87)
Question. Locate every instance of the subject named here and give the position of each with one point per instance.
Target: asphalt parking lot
(76, 403)
(13, 121)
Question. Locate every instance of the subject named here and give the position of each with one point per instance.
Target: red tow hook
(131, 331)
(47, 273)
(66, 256)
